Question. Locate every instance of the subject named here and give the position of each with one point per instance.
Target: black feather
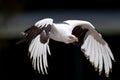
(79, 32)
(33, 31)
(30, 34)
(45, 34)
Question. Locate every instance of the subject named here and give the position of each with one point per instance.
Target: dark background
(66, 62)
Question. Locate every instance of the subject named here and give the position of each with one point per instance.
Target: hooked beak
(73, 38)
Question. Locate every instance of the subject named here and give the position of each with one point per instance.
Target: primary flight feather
(78, 32)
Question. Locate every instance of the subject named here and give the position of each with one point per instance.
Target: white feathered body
(60, 32)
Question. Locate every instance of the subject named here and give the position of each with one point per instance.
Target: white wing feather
(94, 46)
(74, 23)
(44, 22)
(38, 55)
(38, 50)
(99, 54)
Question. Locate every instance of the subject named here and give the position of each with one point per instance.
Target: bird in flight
(78, 32)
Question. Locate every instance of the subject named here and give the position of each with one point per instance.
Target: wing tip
(44, 21)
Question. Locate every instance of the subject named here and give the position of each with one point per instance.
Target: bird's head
(72, 38)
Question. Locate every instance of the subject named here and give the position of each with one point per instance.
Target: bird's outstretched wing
(38, 38)
(93, 45)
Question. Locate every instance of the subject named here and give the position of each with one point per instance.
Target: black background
(66, 62)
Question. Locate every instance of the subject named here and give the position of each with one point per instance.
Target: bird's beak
(73, 38)
(76, 40)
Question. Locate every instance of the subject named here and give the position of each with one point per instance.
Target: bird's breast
(60, 32)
